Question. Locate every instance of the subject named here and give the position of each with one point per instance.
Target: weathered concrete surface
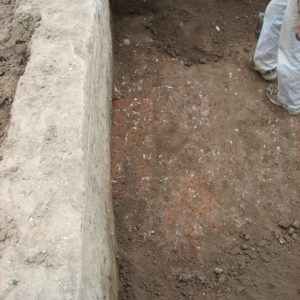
(56, 238)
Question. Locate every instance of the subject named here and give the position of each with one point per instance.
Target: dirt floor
(15, 34)
(206, 180)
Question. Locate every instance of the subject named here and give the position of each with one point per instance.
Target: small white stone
(126, 42)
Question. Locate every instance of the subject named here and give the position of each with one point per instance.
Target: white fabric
(278, 48)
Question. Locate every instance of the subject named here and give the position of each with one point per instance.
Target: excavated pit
(205, 169)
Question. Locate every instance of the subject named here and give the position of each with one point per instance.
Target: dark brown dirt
(15, 34)
(199, 31)
(205, 170)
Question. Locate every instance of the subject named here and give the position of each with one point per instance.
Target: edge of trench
(55, 186)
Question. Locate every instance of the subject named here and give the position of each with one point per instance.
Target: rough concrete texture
(56, 237)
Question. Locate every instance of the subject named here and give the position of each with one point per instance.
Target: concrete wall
(56, 221)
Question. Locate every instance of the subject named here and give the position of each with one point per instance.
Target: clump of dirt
(15, 35)
(200, 31)
(176, 33)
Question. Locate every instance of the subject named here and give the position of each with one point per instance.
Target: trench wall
(56, 220)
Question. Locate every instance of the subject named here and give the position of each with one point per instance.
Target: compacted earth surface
(15, 35)
(206, 171)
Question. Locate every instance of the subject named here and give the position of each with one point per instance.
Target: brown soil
(15, 34)
(205, 170)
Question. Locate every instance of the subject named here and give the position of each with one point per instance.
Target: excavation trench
(205, 170)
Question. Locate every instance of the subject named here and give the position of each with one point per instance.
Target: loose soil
(205, 170)
(15, 34)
